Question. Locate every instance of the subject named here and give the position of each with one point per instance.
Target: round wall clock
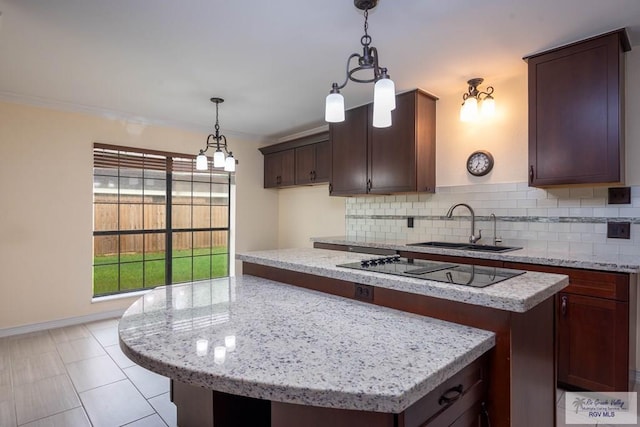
(480, 163)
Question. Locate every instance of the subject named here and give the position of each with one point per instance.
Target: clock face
(480, 163)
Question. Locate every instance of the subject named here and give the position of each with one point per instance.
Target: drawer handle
(563, 306)
(451, 395)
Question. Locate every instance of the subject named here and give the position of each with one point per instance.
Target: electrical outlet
(363, 292)
(410, 222)
(619, 230)
(619, 196)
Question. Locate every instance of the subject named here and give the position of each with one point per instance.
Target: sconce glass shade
(384, 95)
(469, 110)
(201, 162)
(218, 159)
(381, 116)
(334, 108)
(488, 106)
(230, 164)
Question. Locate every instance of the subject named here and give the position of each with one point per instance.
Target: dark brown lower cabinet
(595, 328)
(592, 342)
(459, 402)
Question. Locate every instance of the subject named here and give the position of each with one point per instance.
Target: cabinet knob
(369, 185)
(563, 305)
(330, 188)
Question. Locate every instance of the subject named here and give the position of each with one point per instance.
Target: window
(157, 220)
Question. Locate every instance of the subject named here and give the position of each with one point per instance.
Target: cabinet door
(392, 150)
(349, 154)
(287, 171)
(323, 162)
(272, 167)
(592, 342)
(575, 114)
(279, 169)
(305, 164)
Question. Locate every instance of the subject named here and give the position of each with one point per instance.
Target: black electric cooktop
(458, 274)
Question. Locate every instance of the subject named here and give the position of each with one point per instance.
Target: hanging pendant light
(221, 159)
(384, 96)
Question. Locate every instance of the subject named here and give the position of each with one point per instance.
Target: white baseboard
(35, 327)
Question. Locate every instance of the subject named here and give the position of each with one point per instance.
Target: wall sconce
(471, 99)
(384, 92)
(216, 140)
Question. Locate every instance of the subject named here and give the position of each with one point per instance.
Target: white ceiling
(273, 61)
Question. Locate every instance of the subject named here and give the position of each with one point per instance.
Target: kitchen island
(519, 310)
(250, 351)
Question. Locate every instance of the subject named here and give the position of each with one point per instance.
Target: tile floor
(77, 376)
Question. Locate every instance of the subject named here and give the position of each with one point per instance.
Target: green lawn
(137, 273)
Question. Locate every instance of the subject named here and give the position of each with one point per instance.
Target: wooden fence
(138, 216)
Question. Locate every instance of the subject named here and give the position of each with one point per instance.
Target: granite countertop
(611, 262)
(518, 294)
(295, 345)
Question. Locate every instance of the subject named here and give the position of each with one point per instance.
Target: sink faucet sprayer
(473, 238)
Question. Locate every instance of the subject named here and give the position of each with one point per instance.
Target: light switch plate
(619, 196)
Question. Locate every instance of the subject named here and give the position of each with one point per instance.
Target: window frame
(175, 167)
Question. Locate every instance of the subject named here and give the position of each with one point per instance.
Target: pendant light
(384, 93)
(221, 159)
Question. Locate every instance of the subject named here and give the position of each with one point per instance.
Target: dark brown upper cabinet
(279, 169)
(576, 112)
(301, 161)
(313, 163)
(398, 159)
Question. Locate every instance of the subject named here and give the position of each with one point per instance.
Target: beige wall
(305, 212)
(46, 206)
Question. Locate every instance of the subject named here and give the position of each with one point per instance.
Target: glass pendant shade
(218, 159)
(488, 107)
(381, 117)
(469, 110)
(384, 94)
(334, 108)
(230, 164)
(201, 162)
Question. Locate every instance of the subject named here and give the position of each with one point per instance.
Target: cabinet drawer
(447, 402)
(586, 282)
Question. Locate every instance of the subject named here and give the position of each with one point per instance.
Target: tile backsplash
(571, 220)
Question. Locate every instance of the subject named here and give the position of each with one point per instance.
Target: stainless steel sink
(466, 246)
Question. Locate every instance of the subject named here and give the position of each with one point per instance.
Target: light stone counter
(518, 294)
(295, 345)
(610, 262)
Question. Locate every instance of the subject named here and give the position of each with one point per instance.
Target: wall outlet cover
(618, 230)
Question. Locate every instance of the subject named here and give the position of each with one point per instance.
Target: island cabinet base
(522, 365)
(459, 401)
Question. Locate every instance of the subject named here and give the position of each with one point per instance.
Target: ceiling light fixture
(470, 100)
(384, 93)
(220, 159)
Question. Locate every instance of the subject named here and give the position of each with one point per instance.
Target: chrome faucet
(496, 239)
(473, 238)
